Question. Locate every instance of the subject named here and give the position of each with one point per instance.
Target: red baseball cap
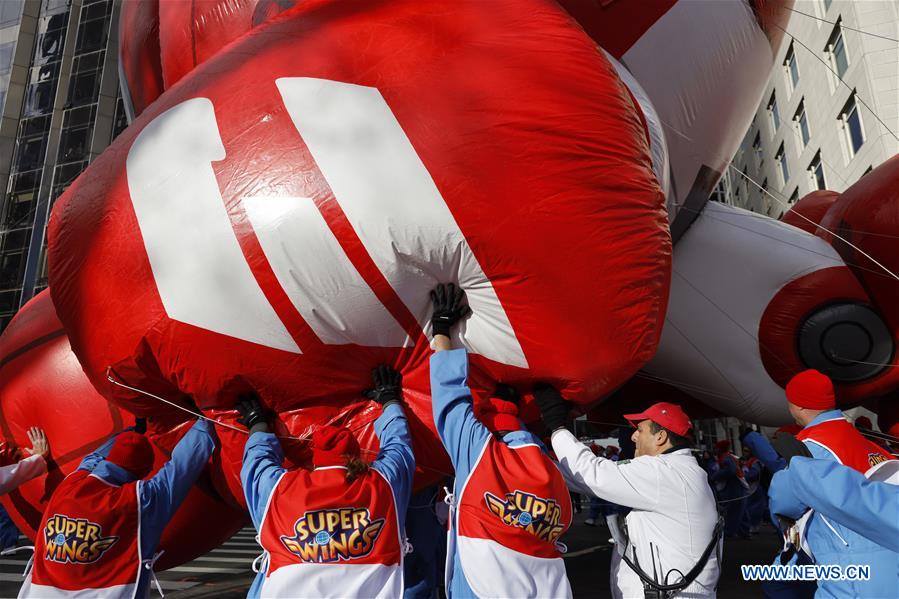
(669, 415)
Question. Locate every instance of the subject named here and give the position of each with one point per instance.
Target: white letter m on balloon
(384, 190)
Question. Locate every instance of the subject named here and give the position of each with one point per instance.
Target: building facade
(830, 111)
(60, 108)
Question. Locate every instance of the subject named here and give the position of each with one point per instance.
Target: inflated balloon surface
(277, 217)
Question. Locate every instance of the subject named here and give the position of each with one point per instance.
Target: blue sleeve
(782, 497)
(462, 434)
(870, 508)
(91, 460)
(395, 459)
(261, 470)
(161, 495)
(763, 450)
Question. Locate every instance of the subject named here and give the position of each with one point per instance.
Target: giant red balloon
(42, 384)
(280, 215)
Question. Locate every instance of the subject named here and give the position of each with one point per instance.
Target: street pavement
(225, 573)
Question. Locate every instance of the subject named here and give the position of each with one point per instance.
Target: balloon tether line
(112, 380)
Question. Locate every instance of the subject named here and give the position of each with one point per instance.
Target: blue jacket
(262, 457)
(160, 495)
(831, 542)
(762, 449)
(463, 436)
(870, 508)
(726, 477)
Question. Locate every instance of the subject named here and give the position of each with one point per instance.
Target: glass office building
(60, 109)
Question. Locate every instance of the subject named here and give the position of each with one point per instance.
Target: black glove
(388, 385)
(449, 307)
(553, 408)
(140, 425)
(251, 411)
(507, 393)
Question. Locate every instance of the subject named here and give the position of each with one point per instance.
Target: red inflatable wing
(42, 384)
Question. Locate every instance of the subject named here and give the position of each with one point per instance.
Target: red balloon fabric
(139, 54)
(862, 226)
(277, 218)
(42, 384)
(806, 214)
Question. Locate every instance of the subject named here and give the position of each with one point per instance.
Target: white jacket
(673, 509)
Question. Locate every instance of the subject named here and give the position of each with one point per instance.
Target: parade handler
(868, 506)
(336, 530)
(510, 503)
(100, 530)
(830, 437)
(669, 545)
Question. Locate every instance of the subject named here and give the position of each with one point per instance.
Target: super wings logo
(876, 458)
(325, 536)
(537, 516)
(75, 541)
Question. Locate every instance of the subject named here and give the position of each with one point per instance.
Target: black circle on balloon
(848, 342)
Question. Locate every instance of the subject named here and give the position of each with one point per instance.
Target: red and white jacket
(88, 541)
(844, 443)
(326, 538)
(509, 515)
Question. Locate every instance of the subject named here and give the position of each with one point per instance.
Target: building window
(120, 122)
(719, 193)
(781, 159)
(851, 121)
(816, 172)
(792, 68)
(9, 301)
(836, 50)
(757, 150)
(93, 26)
(41, 89)
(51, 37)
(794, 196)
(6, 55)
(773, 112)
(84, 83)
(10, 12)
(801, 120)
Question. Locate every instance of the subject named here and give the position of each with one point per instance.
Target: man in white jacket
(672, 528)
(13, 475)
